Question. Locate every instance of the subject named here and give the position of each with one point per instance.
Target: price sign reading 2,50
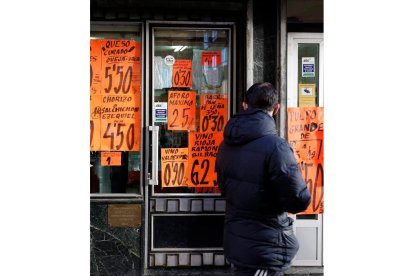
(120, 133)
(119, 78)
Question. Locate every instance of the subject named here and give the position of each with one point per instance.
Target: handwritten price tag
(111, 158)
(182, 73)
(174, 163)
(181, 110)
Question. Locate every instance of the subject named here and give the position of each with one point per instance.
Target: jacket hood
(247, 126)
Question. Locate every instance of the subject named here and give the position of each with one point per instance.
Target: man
(260, 179)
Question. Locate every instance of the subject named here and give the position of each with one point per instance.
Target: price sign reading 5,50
(117, 79)
(118, 136)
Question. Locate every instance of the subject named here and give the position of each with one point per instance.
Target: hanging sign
(182, 73)
(121, 67)
(307, 95)
(211, 58)
(308, 67)
(181, 110)
(213, 112)
(95, 122)
(111, 158)
(174, 163)
(95, 67)
(305, 135)
(202, 151)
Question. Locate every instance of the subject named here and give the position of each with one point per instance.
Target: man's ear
(245, 105)
(276, 110)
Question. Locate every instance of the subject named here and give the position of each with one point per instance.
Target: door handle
(154, 167)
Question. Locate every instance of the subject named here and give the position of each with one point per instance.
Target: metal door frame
(292, 88)
(149, 180)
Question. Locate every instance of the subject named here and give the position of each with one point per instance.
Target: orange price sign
(182, 73)
(210, 58)
(120, 123)
(305, 135)
(111, 158)
(95, 122)
(213, 112)
(181, 110)
(95, 69)
(121, 67)
(202, 153)
(174, 163)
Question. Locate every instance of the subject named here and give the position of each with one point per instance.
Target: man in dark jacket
(260, 179)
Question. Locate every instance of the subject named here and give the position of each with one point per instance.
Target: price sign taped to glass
(181, 110)
(121, 67)
(174, 163)
(95, 68)
(182, 73)
(211, 58)
(213, 112)
(120, 123)
(95, 122)
(202, 153)
(110, 158)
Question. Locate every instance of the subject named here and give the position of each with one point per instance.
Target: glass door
(305, 134)
(189, 91)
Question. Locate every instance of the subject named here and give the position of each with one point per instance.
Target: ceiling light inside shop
(177, 48)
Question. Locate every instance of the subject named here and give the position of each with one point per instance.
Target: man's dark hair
(262, 95)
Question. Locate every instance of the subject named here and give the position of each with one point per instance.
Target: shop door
(189, 81)
(305, 89)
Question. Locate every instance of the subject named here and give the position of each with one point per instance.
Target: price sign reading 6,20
(181, 73)
(213, 112)
(174, 167)
(202, 153)
(181, 110)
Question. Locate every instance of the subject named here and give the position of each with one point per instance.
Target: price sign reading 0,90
(182, 73)
(174, 163)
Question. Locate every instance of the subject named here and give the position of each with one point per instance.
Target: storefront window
(115, 118)
(191, 90)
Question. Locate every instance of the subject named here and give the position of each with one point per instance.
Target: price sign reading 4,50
(118, 136)
(174, 162)
(182, 73)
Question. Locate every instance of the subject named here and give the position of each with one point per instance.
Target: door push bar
(154, 167)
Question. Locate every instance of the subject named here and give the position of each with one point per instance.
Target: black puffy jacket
(260, 179)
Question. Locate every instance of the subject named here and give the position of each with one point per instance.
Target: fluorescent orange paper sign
(213, 112)
(174, 163)
(202, 153)
(121, 67)
(181, 110)
(95, 69)
(111, 158)
(95, 122)
(305, 135)
(210, 58)
(120, 123)
(182, 73)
